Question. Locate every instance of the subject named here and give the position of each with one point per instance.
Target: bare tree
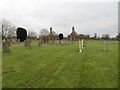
(43, 32)
(95, 36)
(106, 37)
(8, 30)
(32, 34)
(43, 35)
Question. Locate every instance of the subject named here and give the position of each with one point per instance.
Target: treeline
(8, 30)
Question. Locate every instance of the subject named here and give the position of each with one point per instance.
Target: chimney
(50, 29)
(73, 29)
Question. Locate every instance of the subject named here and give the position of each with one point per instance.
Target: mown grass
(33, 41)
(55, 66)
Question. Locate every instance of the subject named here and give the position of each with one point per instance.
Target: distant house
(82, 36)
(51, 36)
(73, 35)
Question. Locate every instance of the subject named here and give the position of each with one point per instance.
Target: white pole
(80, 47)
(82, 44)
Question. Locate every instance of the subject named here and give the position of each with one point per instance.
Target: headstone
(5, 46)
(80, 50)
(18, 40)
(39, 42)
(67, 42)
(29, 43)
(21, 34)
(105, 43)
(62, 42)
(57, 41)
(25, 42)
(82, 43)
(60, 36)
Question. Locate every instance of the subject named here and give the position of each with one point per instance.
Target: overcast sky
(87, 17)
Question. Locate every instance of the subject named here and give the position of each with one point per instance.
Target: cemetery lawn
(23, 42)
(55, 66)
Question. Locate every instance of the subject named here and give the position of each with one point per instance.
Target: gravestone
(80, 47)
(26, 43)
(65, 42)
(39, 42)
(5, 46)
(105, 43)
(21, 34)
(61, 38)
(29, 43)
(18, 40)
(84, 43)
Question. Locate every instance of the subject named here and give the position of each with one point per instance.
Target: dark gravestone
(60, 36)
(21, 34)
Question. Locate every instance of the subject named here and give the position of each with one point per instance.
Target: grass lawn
(33, 41)
(55, 66)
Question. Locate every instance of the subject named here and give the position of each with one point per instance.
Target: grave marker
(82, 44)
(80, 50)
(61, 38)
(21, 34)
(5, 46)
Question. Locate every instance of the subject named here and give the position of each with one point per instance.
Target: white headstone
(80, 47)
(82, 43)
(18, 40)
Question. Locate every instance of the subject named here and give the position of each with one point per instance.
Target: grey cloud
(88, 18)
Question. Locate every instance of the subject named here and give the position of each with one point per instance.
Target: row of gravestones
(61, 42)
(22, 34)
(6, 44)
(27, 43)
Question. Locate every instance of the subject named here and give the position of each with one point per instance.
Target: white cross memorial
(80, 47)
(82, 44)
